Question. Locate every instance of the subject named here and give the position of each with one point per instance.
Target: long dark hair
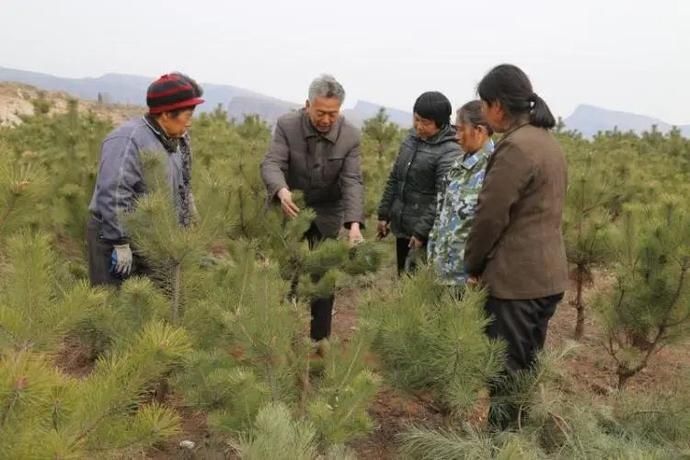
(509, 85)
(472, 113)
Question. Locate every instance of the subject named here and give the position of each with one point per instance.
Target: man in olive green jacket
(316, 150)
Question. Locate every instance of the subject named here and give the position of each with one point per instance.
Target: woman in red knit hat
(171, 100)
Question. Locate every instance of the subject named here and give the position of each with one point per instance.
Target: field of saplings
(210, 357)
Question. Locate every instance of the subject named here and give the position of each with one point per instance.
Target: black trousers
(522, 324)
(100, 253)
(322, 308)
(407, 263)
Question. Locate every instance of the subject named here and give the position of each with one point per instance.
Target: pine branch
(8, 211)
(676, 297)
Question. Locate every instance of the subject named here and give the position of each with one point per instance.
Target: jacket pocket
(416, 201)
(320, 195)
(332, 169)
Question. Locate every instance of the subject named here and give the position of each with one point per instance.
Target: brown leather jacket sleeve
(508, 173)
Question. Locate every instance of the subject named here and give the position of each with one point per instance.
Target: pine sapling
(586, 228)
(649, 305)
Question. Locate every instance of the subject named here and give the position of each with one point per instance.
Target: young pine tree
(46, 414)
(562, 424)
(649, 305)
(381, 132)
(172, 251)
(381, 139)
(586, 227)
(22, 188)
(39, 302)
(428, 340)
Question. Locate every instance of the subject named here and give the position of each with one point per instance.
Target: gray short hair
(326, 86)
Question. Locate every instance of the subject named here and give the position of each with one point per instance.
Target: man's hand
(354, 236)
(290, 209)
(383, 228)
(473, 281)
(416, 243)
(121, 259)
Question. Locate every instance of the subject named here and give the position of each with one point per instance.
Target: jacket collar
(170, 144)
(485, 152)
(511, 131)
(447, 133)
(308, 129)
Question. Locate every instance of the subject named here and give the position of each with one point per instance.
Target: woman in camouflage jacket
(458, 198)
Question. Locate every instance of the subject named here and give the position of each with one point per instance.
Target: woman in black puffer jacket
(408, 205)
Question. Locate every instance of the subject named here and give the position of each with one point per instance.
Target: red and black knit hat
(171, 92)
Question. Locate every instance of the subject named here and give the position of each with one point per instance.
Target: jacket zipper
(404, 183)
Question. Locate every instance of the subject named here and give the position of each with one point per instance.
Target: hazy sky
(627, 55)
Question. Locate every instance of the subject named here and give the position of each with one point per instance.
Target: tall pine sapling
(649, 305)
(380, 141)
(586, 227)
(380, 131)
(169, 248)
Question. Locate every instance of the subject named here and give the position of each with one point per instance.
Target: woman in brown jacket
(515, 246)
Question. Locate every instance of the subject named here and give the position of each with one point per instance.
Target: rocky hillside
(18, 100)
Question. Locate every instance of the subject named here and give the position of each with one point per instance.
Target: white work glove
(121, 259)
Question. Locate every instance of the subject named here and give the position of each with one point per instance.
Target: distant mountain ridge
(17, 101)
(131, 89)
(589, 120)
(238, 102)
